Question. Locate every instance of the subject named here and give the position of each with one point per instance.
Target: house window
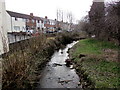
(32, 26)
(48, 22)
(33, 20)
(16, 19)
(23, 28)
(38, 21)
(23, 19)
(17, 28)
(27, 27)
(45, 22)
(27, 20)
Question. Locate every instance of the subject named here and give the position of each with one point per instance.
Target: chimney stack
(46, 17)
(31, 14)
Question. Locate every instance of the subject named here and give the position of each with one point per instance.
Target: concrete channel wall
(12, 38)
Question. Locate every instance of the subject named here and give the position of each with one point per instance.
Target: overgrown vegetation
(103, 21)
(94, 67)
(22, 65)
(100, 63)
(19, 65)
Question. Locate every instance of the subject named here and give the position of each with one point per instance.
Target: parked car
(60, 31)
(29, 32)
(49, 31)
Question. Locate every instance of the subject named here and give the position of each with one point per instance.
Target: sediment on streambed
(57, 74)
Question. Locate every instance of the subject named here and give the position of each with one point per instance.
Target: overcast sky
(43, 8)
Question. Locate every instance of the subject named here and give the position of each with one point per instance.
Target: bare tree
(60, 15)
(70, 17)
(70, 20)
(103, 22)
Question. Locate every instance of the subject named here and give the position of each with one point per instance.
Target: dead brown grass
(110, 55)
(22, 65)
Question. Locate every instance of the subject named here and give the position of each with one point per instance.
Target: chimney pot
(46, 17)
(31, 14)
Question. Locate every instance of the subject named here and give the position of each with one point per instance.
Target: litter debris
(56, 64)
(71, 67)
(61, 52)
(65, 81)
(82, 55)
(68, 62)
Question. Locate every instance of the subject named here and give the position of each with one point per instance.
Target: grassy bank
(97, 63)
(23, 64)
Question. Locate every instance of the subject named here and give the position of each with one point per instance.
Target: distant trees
(103, 22)
(112, 21)
(96, 17)
(70, 17)
(60, 15)
(64, 16)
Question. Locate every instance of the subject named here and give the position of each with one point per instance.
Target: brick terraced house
(14, 26)
(23, 22)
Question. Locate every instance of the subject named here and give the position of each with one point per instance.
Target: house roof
(20, 15)
(25, 16)
(37, 18)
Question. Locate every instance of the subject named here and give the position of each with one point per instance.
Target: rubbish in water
(68, 62)
(56, 64)
(71, 66)
(61, 52)
(65, 81)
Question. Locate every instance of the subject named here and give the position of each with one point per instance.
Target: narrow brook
(56, 74)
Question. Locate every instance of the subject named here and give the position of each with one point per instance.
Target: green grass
(91, 46)
(105, 74)
(102, 73)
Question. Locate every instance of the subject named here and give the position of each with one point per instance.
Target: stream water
(56, 74)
